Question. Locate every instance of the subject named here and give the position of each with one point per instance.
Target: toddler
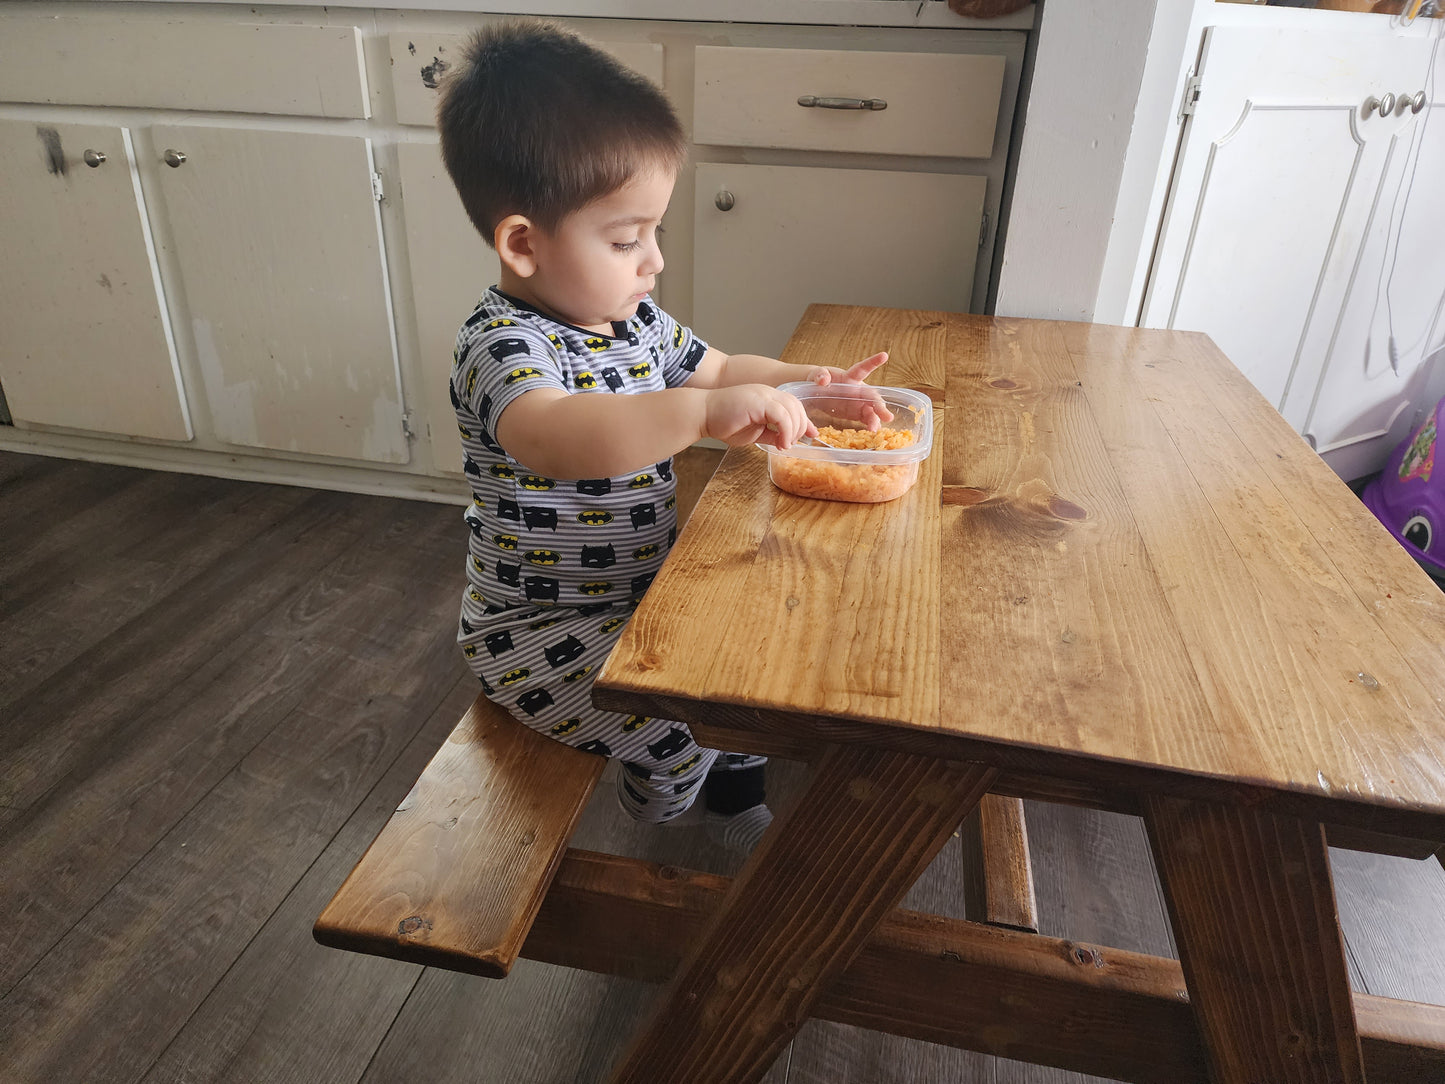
(573, 390)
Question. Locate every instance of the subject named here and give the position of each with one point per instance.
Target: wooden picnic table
(1121, 580)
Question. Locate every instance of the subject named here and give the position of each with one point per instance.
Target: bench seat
(456, 876)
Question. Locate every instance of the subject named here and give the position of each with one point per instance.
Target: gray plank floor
(213, 693)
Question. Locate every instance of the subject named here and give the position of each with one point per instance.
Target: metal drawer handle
(1385, 105)
(812, 101)
(1417, 103)
(724, 200)
(93, 158)
(173, 158)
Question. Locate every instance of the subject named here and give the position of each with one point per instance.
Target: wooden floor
(213, 693)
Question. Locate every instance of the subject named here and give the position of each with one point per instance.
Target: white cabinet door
(790, 236)
(279, 243)
(450, 267)
(84, 338)
(1278, 176)
(1373, 365)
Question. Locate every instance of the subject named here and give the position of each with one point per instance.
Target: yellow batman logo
(471, 381)
(685, 765)
(511, 677)
(545, 623)
(594, 517)
(477, 564)
(524, 373)
(584, 380)
(566, 726)
(470, 651)
(475, 595)
(670, 503)
(596, 587)
(633, 722)
(642, 553)
(551, 338)
(464, 431)
(536, 481)
(576, 674)
(543, 557)
(596, 344)
(500, 323)
(612, 624)
(501, 470)
(505, 541)
(642, 481)
(677, 335)
(644, 369)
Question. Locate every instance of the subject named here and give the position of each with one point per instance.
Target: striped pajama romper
(556, 567)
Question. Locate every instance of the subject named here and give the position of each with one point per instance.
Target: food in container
(849, 463)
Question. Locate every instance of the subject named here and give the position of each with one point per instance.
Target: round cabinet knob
(1385, 106)
(724, 200)
(93, 158)
(1417, 103)
(173, 158)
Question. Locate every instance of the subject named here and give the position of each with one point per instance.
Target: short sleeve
(499, 358)
(680, 351)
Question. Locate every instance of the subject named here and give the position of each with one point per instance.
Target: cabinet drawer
(419, 61)
(938, 104)
(174, 64)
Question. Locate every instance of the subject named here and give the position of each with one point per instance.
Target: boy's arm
(719, 370)
(566, 436)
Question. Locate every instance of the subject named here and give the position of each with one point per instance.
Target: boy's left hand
(871, 409)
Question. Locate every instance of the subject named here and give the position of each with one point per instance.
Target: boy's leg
(735, 797)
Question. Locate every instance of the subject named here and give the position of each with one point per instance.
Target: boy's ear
(514, 238)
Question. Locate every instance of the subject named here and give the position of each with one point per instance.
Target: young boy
(573, 391)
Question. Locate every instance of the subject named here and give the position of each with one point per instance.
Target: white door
(1278, 174)
(84, 338)
(279, 242)
(770, 240)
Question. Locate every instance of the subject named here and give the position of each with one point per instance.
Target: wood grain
(1140, 589)
(1066, 1002)
(823, 877)
(995, 845)
(1253, 910)
(456, 876)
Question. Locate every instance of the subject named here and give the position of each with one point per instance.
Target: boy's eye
(628, 246)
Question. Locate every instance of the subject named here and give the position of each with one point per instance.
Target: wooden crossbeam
(1094, 1010)
(1000, 878)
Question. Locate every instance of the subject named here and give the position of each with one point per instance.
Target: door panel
(450, 267)
(84, 338)
(794, 235)
(279, 243)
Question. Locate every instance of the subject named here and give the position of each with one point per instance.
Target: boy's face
(602, 260)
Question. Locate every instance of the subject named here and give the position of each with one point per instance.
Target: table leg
(1253, 909)
(824, 876)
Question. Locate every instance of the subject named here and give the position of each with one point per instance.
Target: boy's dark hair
(537, 122)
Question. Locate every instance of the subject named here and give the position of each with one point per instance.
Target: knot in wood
(409, 927)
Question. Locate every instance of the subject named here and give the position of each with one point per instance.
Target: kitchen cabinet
(773, 239)
(308, 262)
(84, 338)
(279, 246)
(1302, 232)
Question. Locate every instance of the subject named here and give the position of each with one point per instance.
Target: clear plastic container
(845, 474)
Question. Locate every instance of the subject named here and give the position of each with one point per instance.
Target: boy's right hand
(756, 414)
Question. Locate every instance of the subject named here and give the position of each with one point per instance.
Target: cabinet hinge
(1191, 96)
(406, 429)
(376, 192)
(983, 230)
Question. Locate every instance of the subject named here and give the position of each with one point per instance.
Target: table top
(1119, 564)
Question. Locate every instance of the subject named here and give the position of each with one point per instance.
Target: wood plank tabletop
(1118, 565)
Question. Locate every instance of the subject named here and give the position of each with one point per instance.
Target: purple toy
(1408, 501)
